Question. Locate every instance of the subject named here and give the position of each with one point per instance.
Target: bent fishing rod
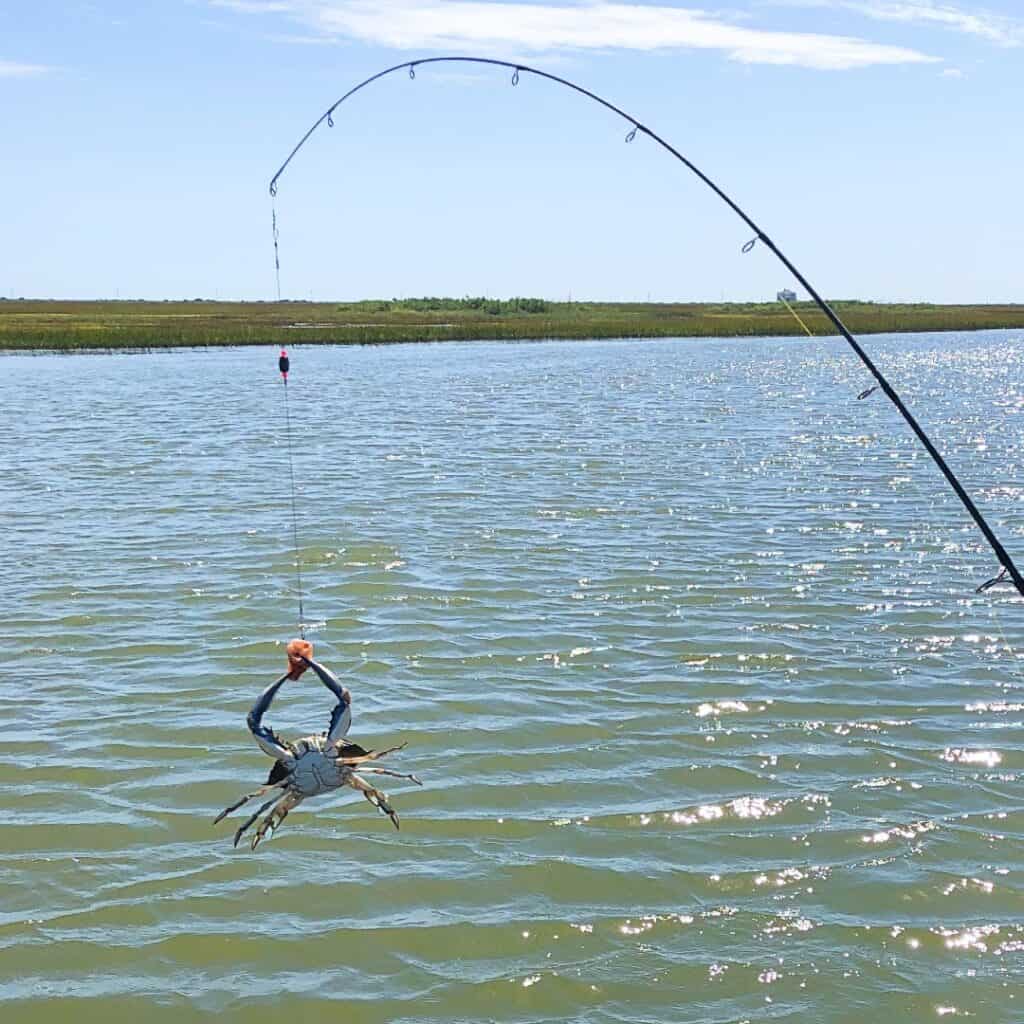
(1007, 566)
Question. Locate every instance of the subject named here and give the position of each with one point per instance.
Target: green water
(681, 635)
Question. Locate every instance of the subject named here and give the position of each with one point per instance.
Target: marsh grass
(69, 326)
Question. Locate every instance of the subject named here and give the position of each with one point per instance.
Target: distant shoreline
(127, 325)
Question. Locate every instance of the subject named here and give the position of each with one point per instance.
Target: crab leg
(277, 814)
(252, 817)
(351, 762)
(245, 799)
(268, 822)
(397, 775)
(375, 796)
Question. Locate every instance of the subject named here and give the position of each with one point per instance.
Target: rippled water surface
(681, 635)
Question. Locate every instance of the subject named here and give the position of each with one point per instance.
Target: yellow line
(795, 314)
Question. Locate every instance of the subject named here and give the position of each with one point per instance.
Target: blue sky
(878, 141)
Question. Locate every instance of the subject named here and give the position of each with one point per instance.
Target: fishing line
(810, 334)
(1016, 670)
(277, 257)
(1005, 561)
(796, 316)
(284, 364)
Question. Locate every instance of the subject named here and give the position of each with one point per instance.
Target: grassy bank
(130, 324)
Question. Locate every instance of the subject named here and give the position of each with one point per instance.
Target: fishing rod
(1007, 566)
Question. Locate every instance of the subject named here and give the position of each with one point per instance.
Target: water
(681, 635)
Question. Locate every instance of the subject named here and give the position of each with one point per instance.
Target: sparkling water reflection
(682, 636)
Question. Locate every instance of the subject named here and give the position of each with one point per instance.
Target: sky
(878, 142)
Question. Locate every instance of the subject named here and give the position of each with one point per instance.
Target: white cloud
(995, 28)
(952, 73)
(11, 69)
(495, 27)
(257, 6)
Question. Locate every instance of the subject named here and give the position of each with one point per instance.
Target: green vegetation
(136, 324)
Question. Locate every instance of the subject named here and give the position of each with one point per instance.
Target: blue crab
(311, 765)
